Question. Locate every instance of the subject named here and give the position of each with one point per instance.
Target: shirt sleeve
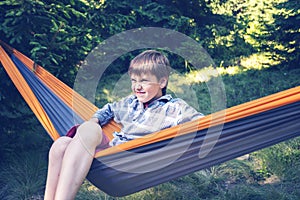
(112, 111)
(105, 114)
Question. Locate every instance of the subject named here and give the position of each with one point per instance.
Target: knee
(90, 132)
(59, 147)
(90, 126)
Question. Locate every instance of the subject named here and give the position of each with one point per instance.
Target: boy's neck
(149, 102)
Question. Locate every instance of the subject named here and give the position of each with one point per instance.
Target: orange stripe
(27, 93)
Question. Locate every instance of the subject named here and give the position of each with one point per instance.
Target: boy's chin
(142, 100)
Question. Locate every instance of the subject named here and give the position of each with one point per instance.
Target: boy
(147, 110)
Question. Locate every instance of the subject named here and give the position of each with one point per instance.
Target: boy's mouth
(139, 92)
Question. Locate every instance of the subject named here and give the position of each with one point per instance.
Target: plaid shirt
(137, 121)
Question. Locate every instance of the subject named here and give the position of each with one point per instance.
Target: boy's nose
(138, 86)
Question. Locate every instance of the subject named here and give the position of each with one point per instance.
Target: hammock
(164, 155)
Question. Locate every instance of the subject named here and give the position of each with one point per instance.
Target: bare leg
(77, 160)
(56, 155)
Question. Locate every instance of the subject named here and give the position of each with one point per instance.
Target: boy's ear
(163, 82)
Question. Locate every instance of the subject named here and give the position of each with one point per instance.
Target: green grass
(22, 176)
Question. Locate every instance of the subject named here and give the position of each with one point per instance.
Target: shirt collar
(167, 97)
(163, 99)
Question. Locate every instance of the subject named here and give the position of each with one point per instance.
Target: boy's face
(147, 87)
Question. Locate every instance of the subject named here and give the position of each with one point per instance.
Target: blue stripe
(62, 116)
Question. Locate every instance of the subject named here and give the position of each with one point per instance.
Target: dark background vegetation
(254, 44)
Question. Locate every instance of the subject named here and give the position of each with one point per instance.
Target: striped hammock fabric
(164, 155)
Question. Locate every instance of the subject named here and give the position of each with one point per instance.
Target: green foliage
(285, 33)
(282, 159)
(200, 185)
(273, 81)
(88, 191)
(249, 192)
(236, 172)
(17, 120)
(57, 35)
(23, 176)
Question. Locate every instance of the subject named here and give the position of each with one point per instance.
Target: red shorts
(103, 145)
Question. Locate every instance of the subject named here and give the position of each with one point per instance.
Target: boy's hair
(151, 61)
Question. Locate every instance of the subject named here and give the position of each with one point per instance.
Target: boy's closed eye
(141, 81)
